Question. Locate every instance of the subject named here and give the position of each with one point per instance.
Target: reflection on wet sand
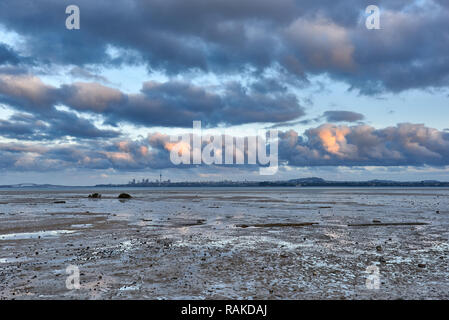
(277, 243)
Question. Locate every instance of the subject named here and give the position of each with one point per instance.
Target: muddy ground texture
(286, 243)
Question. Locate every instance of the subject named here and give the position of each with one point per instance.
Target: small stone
(421, 265)
(379, 248)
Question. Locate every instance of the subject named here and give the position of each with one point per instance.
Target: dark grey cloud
(42, 120)
(27, 92)
(228, 36)
(170, 104)
(362, 145)
(17, 129)
(69, 124)
(343, 116)
(329, 116)
(291, 123)
(120, 155)
(59, 124)
(8, 55)
(327, 145)
(86, 74)
(12, 60)
(185, 103)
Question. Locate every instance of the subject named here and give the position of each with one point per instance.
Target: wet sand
(224, 243)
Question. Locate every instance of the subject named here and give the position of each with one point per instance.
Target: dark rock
(59, 202)
(388, 224)
(421, 265)
(95, 196)
(382, 260)
(376, 221)
(379, 248)
(124, 196)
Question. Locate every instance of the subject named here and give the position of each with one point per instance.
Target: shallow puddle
(34, 235)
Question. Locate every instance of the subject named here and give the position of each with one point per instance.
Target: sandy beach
(225, 243)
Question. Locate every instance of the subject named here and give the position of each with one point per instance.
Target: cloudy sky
(97, 105)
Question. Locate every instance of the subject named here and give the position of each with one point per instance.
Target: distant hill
(318, 182)
(308, 180)
(300, 182)
(30, 185)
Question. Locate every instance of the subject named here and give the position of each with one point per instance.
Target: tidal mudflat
(225, 243)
